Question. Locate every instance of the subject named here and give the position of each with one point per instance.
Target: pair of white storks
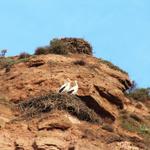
(66, 87)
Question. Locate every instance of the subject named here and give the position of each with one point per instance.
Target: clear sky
(119, 30)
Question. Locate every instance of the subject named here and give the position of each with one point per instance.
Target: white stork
(65, 87)
(73, 90)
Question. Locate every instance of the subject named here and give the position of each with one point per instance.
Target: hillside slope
(101, 90)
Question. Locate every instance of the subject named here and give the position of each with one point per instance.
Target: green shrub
(65, 46)
(6, 63)
(129, 123)
(140, 94)
(41, 50)
(77, 45)
(143, 129)
(24, 55)
(132, 124)
(21, 60)
(57, 47)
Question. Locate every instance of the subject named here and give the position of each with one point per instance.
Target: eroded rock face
(116, 100)
(100, 110)
(5, 142)
(61, 124)
(49, 143)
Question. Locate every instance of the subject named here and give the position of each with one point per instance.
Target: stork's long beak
(68, 80)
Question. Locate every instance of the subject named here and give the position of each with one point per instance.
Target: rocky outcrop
(101, 111)
(110, 97)
(35, 63)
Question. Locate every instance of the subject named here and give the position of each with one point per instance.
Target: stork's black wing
(60, 90)
(69, 92)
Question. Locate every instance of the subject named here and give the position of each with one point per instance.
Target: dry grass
(112, 66)
(133, 123)
(140, 94)
(54, 101)
(7, 62)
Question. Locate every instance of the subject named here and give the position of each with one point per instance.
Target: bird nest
(55, 101)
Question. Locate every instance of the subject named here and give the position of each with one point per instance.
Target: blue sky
(119, 30)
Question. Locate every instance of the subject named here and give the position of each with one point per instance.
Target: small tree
(133, 87)
(41, 50)
(3, 52)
